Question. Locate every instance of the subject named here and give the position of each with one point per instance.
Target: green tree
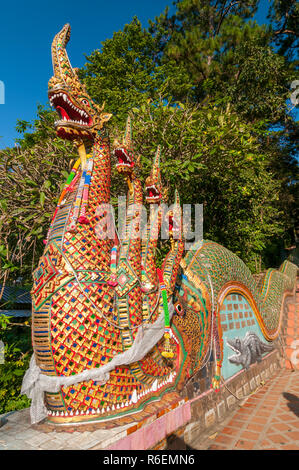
(220, 164)
(32, 176)
(284, 16)
(17, 352)
(122, 73)
(211, 54)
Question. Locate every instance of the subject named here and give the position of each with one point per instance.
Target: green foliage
(213, 157)
(31, 179)
(17, 352)
(122, 73)
(260, 87)
(202, 37)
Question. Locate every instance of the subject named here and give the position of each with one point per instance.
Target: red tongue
(151, 194)
(62, 112)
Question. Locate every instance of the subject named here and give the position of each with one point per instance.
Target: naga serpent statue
(111, 333)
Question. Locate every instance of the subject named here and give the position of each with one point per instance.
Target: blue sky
(26, 33)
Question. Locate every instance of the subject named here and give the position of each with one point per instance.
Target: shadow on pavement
(176, 443)
(293, 403)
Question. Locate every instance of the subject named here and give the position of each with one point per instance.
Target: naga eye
(179, 309)
(85, 102)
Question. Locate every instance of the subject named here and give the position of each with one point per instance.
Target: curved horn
(61, 63)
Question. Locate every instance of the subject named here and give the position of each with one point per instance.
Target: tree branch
(285, 31)
(223, 15)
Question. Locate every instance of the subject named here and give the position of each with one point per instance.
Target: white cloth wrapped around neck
(35, 383)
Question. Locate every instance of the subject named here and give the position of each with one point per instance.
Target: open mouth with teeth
(74, 122)
(233, 348)
(125, 162)
(138, 399)
(152, 194)
(236, 351)
(127, 401)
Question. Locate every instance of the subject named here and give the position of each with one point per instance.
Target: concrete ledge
(148, 436)
(17, 433)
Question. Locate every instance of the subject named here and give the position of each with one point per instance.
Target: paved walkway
(268, 420)
(16, 433)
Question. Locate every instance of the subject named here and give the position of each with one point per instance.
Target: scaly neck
(86, 221)
(149, 247)
(101, 179)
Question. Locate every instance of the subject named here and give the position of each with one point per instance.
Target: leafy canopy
(208, 84)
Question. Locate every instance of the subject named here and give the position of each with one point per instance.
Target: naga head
(153, 184)
(123, 151)
(80, 117)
